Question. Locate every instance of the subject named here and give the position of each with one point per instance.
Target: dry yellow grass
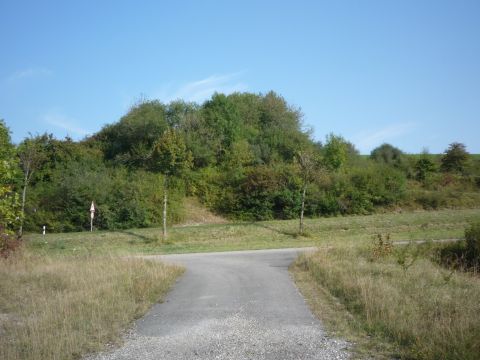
(62, 308)
(197, 214)
(426, 311)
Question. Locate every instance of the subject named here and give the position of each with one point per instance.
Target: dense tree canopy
(244, 155)
(387, 154)
(455, 158)
(130, 140)
(9, 200)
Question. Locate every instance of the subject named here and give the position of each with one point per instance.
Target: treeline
(243, 155)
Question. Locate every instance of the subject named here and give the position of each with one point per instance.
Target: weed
(382, 246)
(406, 256)
(8, 244)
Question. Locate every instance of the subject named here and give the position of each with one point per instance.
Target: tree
(130, 140)
(387, 154)
(307, 164)
(335, 152)
(9, 209)
(31, 158)
(424, 166)
(170, 157)
(455, 158)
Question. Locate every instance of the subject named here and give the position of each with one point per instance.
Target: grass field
(68, 294)
(64, 307)
(389, 307)
(353, 230)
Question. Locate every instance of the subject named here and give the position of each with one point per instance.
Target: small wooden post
(92, 215)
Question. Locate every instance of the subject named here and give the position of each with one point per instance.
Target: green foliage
(424, 166)
(463, 255)
(9, 199)
(368, 187)
(124, 199)
(335, 152)
(455, 158)
(241, 154)
(223, 120)
(387, 154)
(169, 155)
(6, 147)
(130, 140)
(8, 243)
(472, 237)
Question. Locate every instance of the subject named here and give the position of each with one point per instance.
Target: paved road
(233, 305)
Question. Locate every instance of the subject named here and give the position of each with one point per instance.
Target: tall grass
(62, 308)
(427, 311)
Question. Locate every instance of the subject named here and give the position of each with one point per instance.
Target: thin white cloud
(29, 73)
(367, 140)
(200, 90)
(63, 122)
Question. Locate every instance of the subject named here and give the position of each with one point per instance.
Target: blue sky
(403, 72)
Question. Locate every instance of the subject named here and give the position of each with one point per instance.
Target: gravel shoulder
(232, 305)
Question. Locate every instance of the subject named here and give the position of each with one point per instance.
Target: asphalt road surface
(231, 305)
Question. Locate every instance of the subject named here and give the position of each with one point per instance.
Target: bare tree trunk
(24, 197)
(303, 207)
(165, 209)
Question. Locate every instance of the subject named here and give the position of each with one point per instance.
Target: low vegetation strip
(62, 308)
(423, 309)
(355, 230)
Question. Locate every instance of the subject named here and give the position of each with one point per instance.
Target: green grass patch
(353, 230)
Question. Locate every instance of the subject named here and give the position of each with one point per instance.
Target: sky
(402, 72)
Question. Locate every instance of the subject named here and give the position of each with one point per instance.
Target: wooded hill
(240, 155)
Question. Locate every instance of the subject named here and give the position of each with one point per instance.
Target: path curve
(231, 305)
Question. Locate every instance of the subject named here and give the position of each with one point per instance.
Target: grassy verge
(420, 311)
(62, 308)
(353, 230)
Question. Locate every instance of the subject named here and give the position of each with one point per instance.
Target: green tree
(222, 119)
(280, 128)
(455, 158)
(424, 166)
(387, 154)
(335, 152)
(31, 155)
(9, 201)
(130, 141)
(170, 157)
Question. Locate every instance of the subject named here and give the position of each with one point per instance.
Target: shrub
(382, 246)
(455, 158)
(8, 243)
(431, 200)
(387, 154)
(472, 237)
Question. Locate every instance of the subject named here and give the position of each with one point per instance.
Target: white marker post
(92, 215)
(44, 228)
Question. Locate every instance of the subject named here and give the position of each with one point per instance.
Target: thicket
(463, 255)
(239, 155)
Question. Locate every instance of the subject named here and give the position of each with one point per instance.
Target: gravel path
(233, 305)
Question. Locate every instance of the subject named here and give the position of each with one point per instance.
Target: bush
(8, 243)
(431, 200)
(464, 256)
(472, 237)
